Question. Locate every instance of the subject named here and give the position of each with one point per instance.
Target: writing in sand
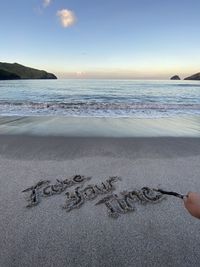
(115, 204)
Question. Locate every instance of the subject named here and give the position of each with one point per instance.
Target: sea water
(99, 98)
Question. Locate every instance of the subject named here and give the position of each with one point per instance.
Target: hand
(192, 204)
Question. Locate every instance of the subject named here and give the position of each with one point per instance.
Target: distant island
(195, 77)
(175, 77)
(15, 71)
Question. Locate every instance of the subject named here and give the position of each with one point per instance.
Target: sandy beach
(100, 133)
(183, 126)
(161, 234)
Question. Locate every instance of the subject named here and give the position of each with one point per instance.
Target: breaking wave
(99, 98)
(97, 109)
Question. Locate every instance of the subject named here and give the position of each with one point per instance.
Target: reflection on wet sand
(101, 127)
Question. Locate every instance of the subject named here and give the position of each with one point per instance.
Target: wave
(92, 108)
(99, 105)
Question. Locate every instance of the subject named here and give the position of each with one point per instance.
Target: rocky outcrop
(175, 77)
(195, 77)
(17, 71)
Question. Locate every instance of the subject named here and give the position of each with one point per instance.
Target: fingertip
(185, 197)
(185, 201)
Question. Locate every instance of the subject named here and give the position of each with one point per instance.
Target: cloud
(46, 3)
(67, 17)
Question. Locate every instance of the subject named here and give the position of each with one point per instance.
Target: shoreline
(183, 126)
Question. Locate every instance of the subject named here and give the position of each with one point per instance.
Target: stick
(170, 193)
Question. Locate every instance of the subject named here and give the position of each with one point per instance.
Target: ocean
(99, 98)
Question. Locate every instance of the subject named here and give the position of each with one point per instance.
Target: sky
(130, 39)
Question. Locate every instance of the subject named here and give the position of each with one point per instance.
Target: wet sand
(185, 126)
(163, 234)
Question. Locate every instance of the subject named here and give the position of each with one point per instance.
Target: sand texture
(161, 234)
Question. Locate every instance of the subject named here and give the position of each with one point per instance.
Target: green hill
(5, 75)
(17, 71)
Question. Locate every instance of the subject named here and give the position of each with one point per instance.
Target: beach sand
(161, 234)
(183, 126)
